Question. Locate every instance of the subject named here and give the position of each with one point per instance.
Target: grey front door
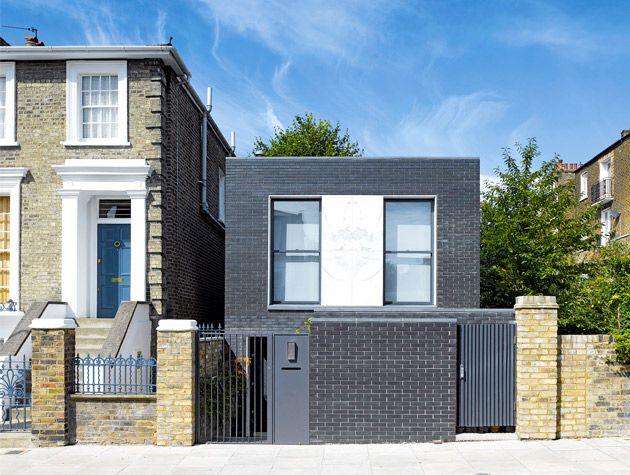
(290, 389)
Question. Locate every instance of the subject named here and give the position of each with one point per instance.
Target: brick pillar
(536, 367)
(53, 348)
(176, 382)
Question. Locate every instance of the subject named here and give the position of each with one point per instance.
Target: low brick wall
(380, 380)
(594, 395)
(112, 419)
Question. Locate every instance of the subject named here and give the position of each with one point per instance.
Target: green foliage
(305, 327)
(309, 137)
(600, 300)
(531, 231)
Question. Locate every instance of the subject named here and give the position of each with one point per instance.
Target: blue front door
(114, 267)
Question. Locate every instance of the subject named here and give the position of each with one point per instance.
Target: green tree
(309, 137)
(599, 303)
(531, 232)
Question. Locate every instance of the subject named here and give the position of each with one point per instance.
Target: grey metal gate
(290, 381)
(234, 388)
(487, 363)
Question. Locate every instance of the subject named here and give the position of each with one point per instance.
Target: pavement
(559, 457)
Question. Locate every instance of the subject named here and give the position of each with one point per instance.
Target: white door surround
(11, 185)
(84, 183)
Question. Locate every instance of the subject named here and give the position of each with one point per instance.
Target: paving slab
(609, 456)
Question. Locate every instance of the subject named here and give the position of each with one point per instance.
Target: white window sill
(8, 143)
(582, 198)
(96, 143)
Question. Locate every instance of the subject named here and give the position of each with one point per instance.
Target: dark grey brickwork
(250, 182)
(193, 244)
(383, 380)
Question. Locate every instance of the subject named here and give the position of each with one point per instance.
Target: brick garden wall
(112, 420)
(382, 381)
(594, 395)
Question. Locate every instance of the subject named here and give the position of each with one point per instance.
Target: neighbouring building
(604, 181)
(111, 183)
(379, 259)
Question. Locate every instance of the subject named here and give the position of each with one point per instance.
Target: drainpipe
(204, 153)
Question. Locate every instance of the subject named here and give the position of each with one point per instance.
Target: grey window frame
(432, 252)
(272, 254)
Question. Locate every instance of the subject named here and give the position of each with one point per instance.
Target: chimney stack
(33, 41)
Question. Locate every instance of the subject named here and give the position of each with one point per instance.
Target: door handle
(117, 279)
(462, 372)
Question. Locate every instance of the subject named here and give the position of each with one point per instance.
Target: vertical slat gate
(232, 389)
(486, 363)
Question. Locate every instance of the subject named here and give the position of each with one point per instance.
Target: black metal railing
(232, 386)
(602, 190)
(111, 375)
(15, 394)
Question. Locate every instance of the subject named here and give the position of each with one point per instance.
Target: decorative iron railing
(602, 190)
(206, 330)
(9, 306)
(114, 375)
(15, 394)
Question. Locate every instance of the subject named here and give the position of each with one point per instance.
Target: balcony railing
(602, 191)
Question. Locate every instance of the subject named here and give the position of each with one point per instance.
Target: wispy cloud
(315, 27)
(455, 126)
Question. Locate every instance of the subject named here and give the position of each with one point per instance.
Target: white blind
(99, 106)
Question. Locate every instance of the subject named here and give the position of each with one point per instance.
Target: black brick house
(381, 256)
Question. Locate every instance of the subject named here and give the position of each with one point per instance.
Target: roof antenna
(32, 29)
(233, 141)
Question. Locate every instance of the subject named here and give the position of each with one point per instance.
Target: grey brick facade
(250, 182)
(383, 381)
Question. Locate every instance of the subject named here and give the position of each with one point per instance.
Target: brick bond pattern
(380, 381)
(250, 181)
(112, 420)
(51, 385)
(593, 393)
(164, 129)
(176, 387)
(536, 367)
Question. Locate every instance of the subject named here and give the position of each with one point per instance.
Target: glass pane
(85, 83)
(408, 225)
(296, 225)
(114, 209)
(3, 91)
(408, 278)
(113, 83)
(296, 277)
(95, 83)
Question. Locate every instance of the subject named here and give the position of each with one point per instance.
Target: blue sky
(406, 78)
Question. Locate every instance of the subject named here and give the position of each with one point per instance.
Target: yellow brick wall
(51, 385)
(536, 367)
(176, 388)
(113, 419)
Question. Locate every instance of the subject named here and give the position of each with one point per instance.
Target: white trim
(583, 185)
(74, 129)
(84, 183)
(11, 185)
(172, 325)
(7, 70)
(53, 324)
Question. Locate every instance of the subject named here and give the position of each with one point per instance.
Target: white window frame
(583, 186)
(606, 226)
(7, 70)
(11, 185)
(74, 126)
(221, 213)
(605, 169)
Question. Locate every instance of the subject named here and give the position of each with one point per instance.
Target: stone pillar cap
(53, 323)
(536, 301)
(173, 325)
